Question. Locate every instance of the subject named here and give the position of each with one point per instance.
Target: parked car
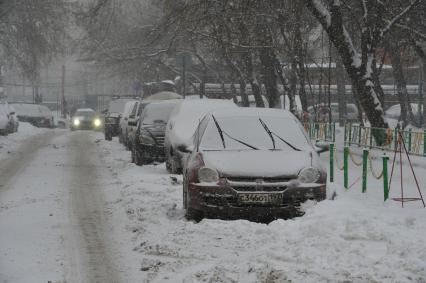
(112, 117)
(182, 124)
(86, 119)
(321, 112)
(394, 112)
(133, 121)
(251, 163)
(35, 114)
(4, 121)
(149, 137)
(124, 121)
(13, 122)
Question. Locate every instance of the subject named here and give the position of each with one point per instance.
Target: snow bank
(355, 238)
(10, 143)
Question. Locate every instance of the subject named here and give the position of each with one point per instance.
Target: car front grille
(264, 180)
(259, 188)
(159, 139)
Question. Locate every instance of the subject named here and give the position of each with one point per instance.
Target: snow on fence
(361, 136)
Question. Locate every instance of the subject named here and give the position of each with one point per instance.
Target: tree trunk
(359, 65)
(243, 94)
(398, 73)
(341, 91)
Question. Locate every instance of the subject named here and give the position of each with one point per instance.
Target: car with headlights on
(251, 163)
(86, 119)
(148, 146)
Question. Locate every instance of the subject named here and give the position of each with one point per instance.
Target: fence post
(346, 134)
(350, 134)
(385, 177)
(334, 131)
(371, 137)
(345, 166)
(410, 132)
(364, 169)
(331, 162)
(395, 137)
(424, 143)
(359, 135)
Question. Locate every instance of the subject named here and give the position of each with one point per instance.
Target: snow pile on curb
(11, 142)
(356, 237)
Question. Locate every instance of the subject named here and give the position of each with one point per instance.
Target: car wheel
(132, 155)
(168, 168)
(138, 157)
(174, 166)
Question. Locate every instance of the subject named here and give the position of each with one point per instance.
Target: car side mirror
(132, 123)
(12, 113)
(125, 119)
(185, 149)
(321, 147)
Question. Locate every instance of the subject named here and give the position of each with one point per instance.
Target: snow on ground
(9, 144)
(354, 238)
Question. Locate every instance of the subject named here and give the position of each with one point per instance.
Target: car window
(157, 113)
(85, 114)
(135, 107)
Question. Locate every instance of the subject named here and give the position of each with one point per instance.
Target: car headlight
(309, 175)
(97, 122)
(208, 175)
(76, 122)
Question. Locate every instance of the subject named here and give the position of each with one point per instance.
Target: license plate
(262, 198)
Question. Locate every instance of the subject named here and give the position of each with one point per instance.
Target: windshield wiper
(221, 132)
(268, 131)
(283, 140)
(219, 129)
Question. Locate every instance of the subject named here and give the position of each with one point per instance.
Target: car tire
(108, 136)
(138, 158)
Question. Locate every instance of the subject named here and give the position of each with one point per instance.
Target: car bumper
(153, 152)
(222, 203)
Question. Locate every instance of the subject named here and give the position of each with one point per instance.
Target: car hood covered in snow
(260, 163)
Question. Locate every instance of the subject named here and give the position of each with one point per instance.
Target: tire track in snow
(11, 167)
(90, 262)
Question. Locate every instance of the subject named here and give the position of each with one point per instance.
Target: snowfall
(350, 237)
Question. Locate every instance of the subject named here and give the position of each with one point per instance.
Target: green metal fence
(325, 132)
(415, 140)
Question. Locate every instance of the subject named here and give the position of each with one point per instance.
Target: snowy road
(52, 213)
(74, 209)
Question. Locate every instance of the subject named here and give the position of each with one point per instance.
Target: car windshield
(85, 114)
(157, 113)
(243, 133)
(31, 110)
(117, 106)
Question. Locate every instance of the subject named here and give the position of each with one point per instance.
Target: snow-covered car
(13, 119)
(182, 124)
(4, 121)
(394, 112)
(251, 163)
(124, 121)
(86, 119)
(35, 114)
(113, 116)
(149, 136)
(13, 123)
